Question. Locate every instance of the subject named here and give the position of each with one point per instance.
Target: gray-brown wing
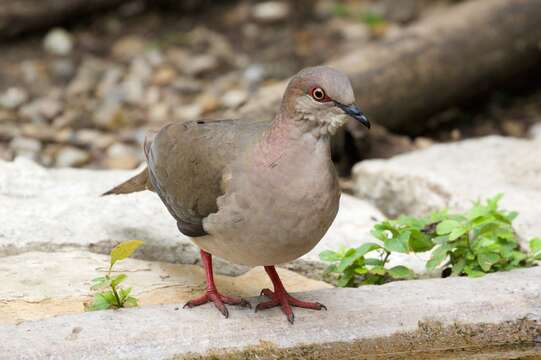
(186, 162)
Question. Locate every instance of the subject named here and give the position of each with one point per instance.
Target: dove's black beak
(353, 111)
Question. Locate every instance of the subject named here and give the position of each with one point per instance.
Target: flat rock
(455, 174)
(59, 283)
(497, 316)
(61, 209)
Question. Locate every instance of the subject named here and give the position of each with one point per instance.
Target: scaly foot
(280, 297)
(219, 301)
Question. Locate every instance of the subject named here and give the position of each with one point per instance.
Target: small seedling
(473, 243)
(116, 297)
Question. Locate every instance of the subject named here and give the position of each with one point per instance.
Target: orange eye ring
(319, 94)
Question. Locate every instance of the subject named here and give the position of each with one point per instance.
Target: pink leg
(280, 297)
(212, 293)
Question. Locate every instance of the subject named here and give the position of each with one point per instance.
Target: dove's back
(186, 164)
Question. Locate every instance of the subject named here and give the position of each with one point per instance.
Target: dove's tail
(137, 183)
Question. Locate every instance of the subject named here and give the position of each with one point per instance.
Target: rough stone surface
(50, 210)
(59, 283)
(453, 175)
(397, 318)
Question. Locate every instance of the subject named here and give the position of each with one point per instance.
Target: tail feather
(137, 183)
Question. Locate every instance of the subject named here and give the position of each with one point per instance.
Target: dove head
(321, 99)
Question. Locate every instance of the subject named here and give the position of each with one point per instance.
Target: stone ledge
(441, 315)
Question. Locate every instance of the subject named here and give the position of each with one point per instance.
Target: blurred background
(82, 81)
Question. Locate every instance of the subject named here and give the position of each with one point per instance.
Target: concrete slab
(38, 285)
(500, 313)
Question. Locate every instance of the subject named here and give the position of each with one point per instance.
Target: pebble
(41, 109)
(158, 113)
(25, 147)
(70, 156)
(13, 98)
(187, 86)
(122, 156)
(93, 138)
(90, 71)
(234, 98)
(164, 76)
(58, 42)
(188, 112)
(270, 11)
(109, 114)
(200, 64)
(128, 47)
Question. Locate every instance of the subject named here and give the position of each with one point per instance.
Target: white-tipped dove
(254, 192)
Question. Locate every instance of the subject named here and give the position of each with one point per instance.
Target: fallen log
(20, 16)
(440, 61)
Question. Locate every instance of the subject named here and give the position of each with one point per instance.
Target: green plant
(479, 241)
(116, 297)
(476, 242)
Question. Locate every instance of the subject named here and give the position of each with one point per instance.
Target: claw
(280, 297)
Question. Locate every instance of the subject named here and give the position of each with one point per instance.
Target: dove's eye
(318, 94)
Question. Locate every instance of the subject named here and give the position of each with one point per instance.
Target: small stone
(58, 42)
(110, 114)
(13, 98)
(254, 74)
(164, 76)
(6, 153)
(133, 90)
(71, 157)
(188, 112)
(208, 103)
(63, 69)
(514, 128)
(25, 147)
(87, 76)
(109, 81)
(93, 138)
(234, 98)
(158, 113)
(128, 47)
(41, 109)
(423, 142)
(122, 156)
(201, 64)
(270, 11)
(187, 86)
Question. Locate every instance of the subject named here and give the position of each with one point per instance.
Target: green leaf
(347, 261)
(366, 248)
(400, 272)
(535, 246)
(458, 267)
(329, 256)
(131, 302)
(100, 283)
(420, 242)
(115, 280)
(446, 226)
(486, 260)
(378, 270)
(457, 232)
(361, 270)
(373, 262)
(124, 250)
(398, 243)
(101, 302)
(438, 255)
(124, 293)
